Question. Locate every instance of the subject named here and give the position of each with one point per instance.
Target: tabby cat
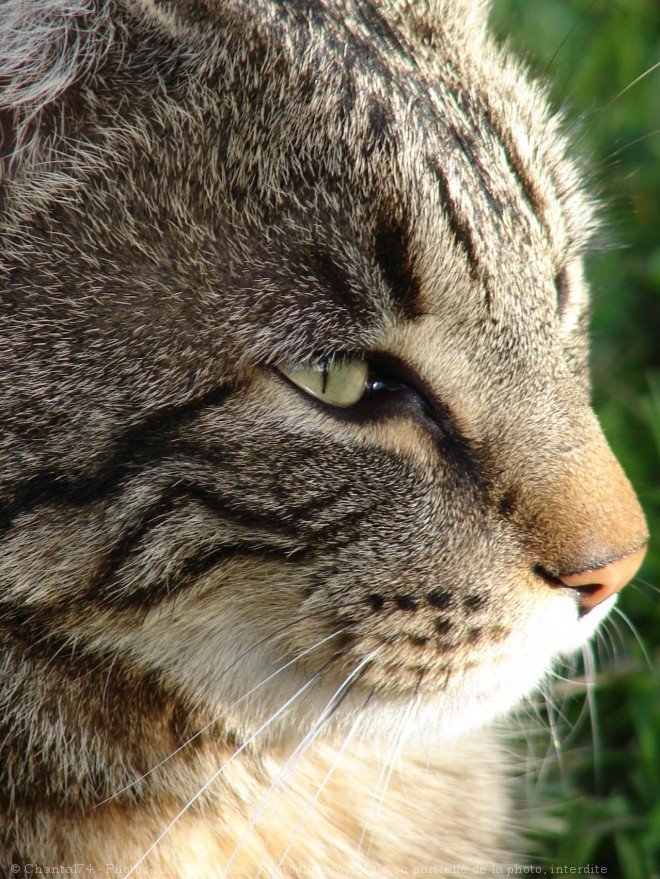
(301, 489)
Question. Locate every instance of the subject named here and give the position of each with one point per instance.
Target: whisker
(330, 708)
(569, 75)
(628, 145)
(555, 744)
(567, 37)
(590, 702)
(626, 619)
(265, 640)
(605, 639)
(335, 763)
(638, 582)
(391, 755)
(107, 679)
(219, 717)
(535, 765)
(420, 731)
(221, 769)
(631, 85)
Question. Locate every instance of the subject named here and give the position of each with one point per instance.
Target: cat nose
(595, 585)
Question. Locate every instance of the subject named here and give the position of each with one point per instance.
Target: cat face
(175, 496)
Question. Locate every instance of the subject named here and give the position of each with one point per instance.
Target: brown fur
(229, 607)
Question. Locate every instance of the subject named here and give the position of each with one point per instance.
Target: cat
(301, 490)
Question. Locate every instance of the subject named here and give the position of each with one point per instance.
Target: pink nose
(596, 584)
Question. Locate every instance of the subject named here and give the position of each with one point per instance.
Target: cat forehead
(407, 201)
(327, 166)
(374, 144)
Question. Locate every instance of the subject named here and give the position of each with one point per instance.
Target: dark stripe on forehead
(526, 184)
(380, 29)
(466, 128)
(472, 138)
(361, 27)
(391, 249)
(477, 114)
(458, 224)
(336, 280)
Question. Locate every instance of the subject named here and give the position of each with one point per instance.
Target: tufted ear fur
(432, 18)
(45, 46)
(467, 11)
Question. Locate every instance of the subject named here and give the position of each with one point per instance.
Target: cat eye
(338, 382)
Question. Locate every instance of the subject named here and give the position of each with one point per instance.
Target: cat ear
(46, 46)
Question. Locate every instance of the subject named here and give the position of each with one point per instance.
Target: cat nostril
(595, 585)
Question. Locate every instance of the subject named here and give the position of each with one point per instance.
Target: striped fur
(242, 629)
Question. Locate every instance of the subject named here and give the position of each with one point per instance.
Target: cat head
(296, 385)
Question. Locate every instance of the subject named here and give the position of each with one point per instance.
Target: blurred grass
(608, 797)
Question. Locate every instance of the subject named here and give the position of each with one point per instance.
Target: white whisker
(626, 619)
(323, 783)
(331, 705)
(221, 769)
(554, 750)
(391, 755)
(591, 705)
(219, 717)
(630, 144)
(605, 640)
(639, 581)
(631, 85)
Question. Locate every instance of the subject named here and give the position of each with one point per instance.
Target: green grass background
(605, 798)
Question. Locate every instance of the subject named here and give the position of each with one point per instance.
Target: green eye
(340, 382)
